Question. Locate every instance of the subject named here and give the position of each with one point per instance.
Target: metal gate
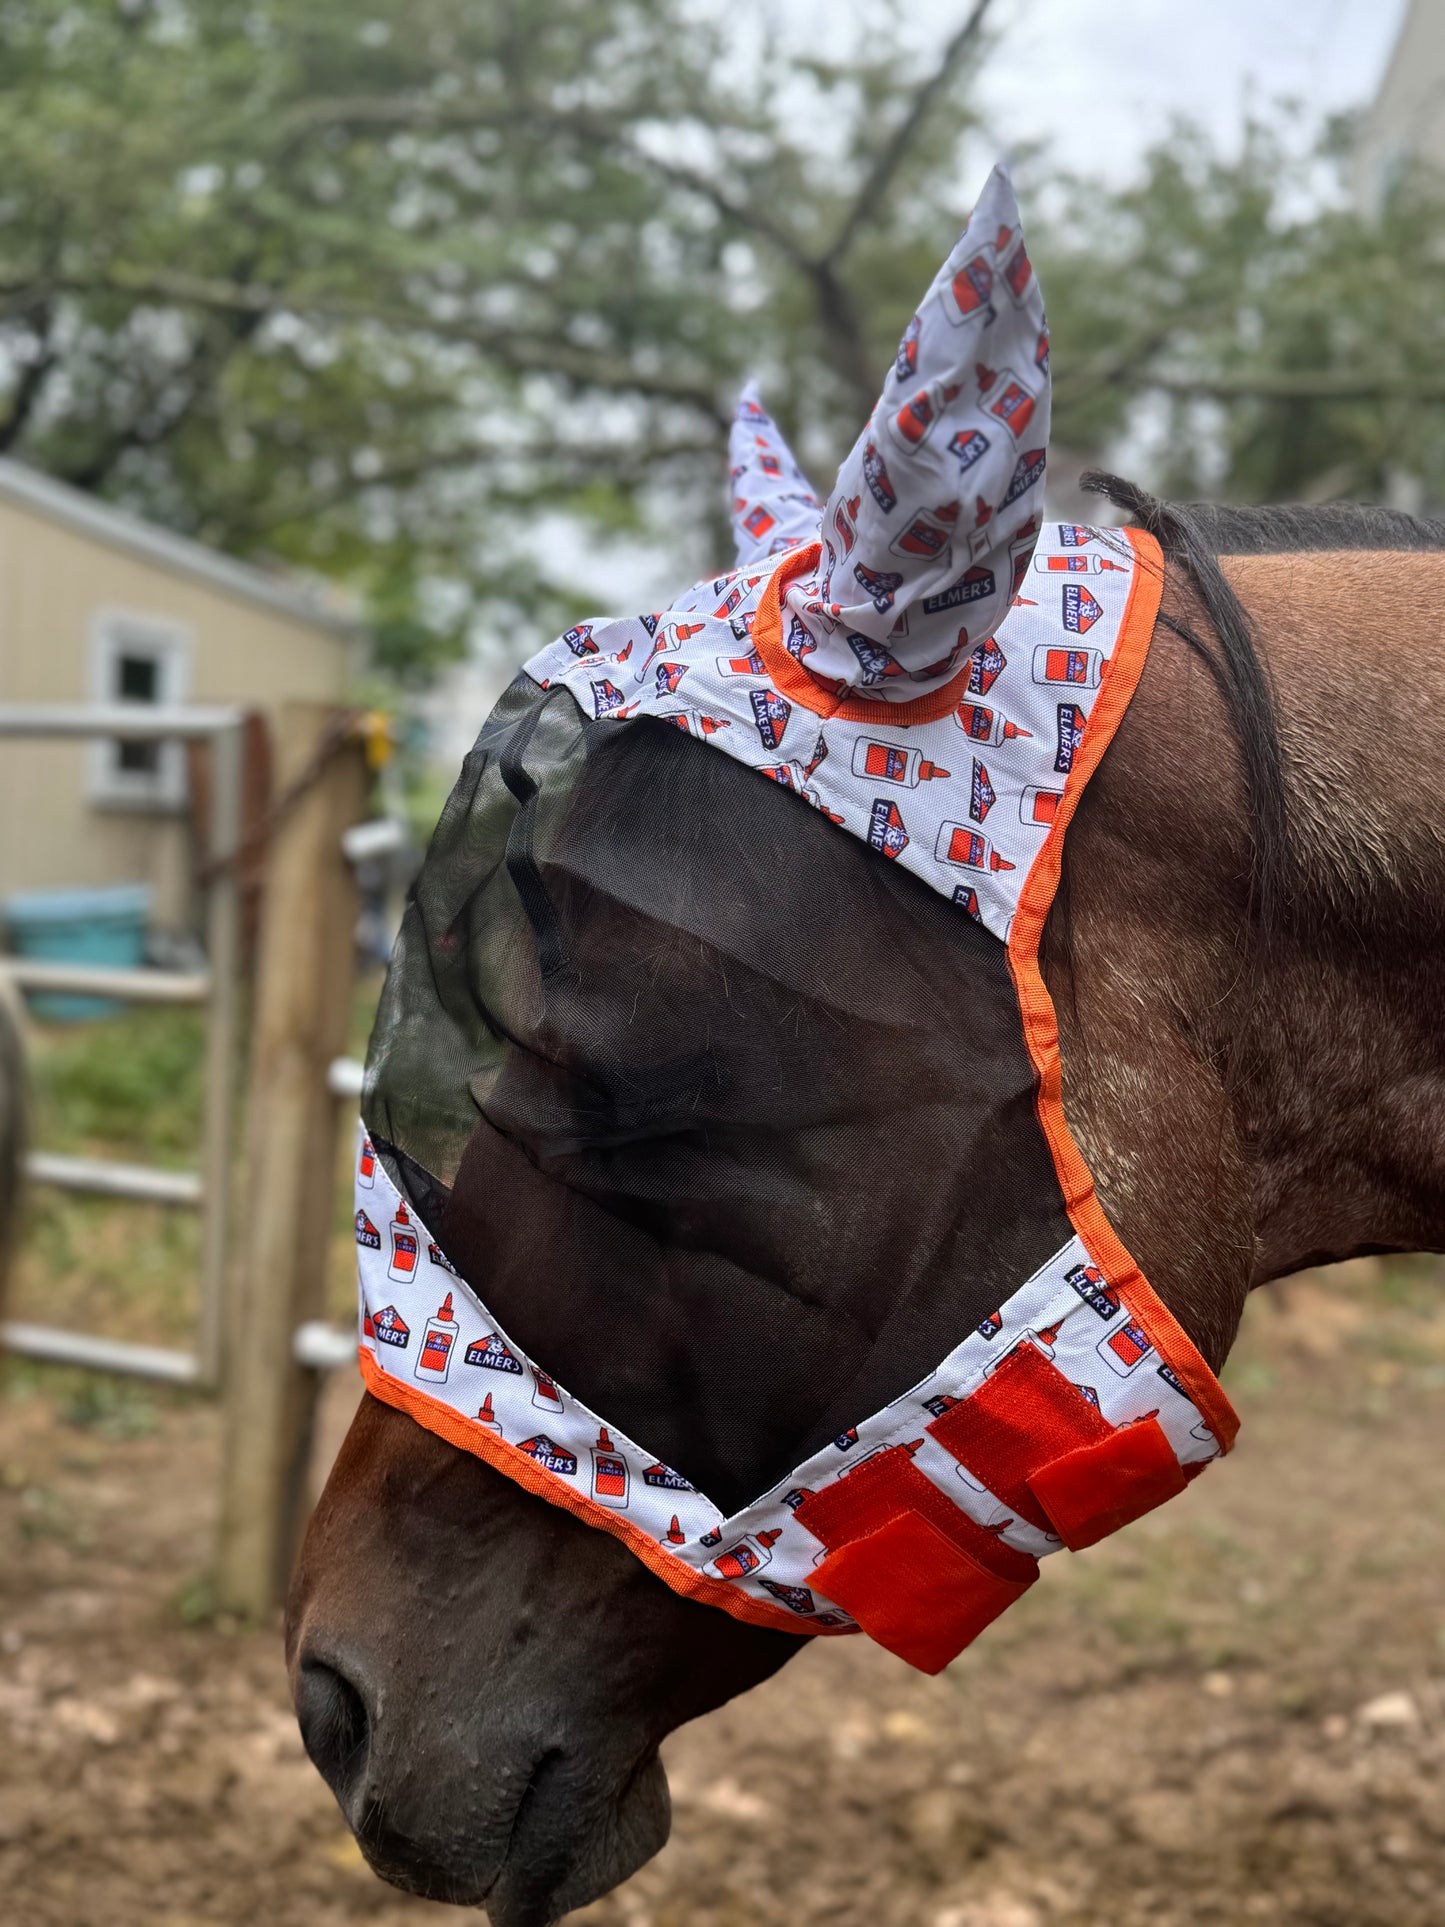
(206, 1188)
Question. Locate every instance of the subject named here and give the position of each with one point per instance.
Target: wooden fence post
(300, 1020)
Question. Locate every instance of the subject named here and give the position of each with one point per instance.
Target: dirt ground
(1235, 1712)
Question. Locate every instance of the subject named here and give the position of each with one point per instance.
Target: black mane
(1281, 528)
(1193, 536)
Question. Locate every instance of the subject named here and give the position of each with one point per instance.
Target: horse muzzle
(478, 1811)
(483, 1681)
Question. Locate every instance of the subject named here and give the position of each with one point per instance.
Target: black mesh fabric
(727, 1120)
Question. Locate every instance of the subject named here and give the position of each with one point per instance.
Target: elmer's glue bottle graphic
(1125, 1348)
(1039, 806)
(545, 1394)
(1079, 668)
(695, 723)
(609, 1472)
(915, 419)
(1045, 1338)
(366, 1168)
(437, 1341)
(748, 1556)
(487, 1417)
(671, 636)
(404, 1247)
(750, 665)
(980, 724)
(929, 533)
(892, 763)
(1073, 563)
(957, 843)
(674, 1536)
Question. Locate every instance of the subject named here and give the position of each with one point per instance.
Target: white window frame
(171, 644)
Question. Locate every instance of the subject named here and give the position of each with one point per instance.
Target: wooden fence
(264, 1265)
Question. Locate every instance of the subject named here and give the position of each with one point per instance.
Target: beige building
(99, 606)
(1405, 122)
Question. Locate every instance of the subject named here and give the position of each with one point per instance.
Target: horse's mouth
(557, 1857)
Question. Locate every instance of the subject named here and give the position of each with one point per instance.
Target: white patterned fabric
(773, 504)
(934, 514)
(422, 1326)
(965, 799)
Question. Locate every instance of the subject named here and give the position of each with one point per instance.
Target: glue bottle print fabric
(748, 1556)
(894, 763)
(437, 1343)
(610, 1475)
(545, 1395)
(404, 1247)
(1080, 668)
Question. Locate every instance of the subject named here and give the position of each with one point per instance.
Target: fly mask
(715, 1182)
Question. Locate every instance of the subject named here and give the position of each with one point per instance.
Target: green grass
(132, 1087)
(129, 1085)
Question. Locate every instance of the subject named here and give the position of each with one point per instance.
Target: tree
(360, 290)
(1285, 345)
(365, 289)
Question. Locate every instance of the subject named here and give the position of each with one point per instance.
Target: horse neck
(1346, 1115)
(1249, 1107)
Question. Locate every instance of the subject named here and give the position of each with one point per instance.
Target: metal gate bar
(209, 1187)
(94, 980)
(101, 1354)
(110, 1178)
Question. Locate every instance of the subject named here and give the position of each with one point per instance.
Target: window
(142, 660)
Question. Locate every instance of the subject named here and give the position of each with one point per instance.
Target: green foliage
(362, 289)
(1291, 346)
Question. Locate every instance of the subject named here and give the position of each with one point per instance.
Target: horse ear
(773, 504)
(934, 515)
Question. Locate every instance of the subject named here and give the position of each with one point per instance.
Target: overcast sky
(1099, 80)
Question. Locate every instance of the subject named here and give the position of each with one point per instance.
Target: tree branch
(837, 313)
(1285, 384)
(173, 401)
(625, 466)
(33, 375)
(452, 116)
(879, 177)
(520, 350)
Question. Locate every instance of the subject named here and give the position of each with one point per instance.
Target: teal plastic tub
(104, 927)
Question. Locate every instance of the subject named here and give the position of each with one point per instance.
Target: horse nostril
(335, 1725)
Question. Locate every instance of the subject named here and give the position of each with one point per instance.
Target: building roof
(321, 606)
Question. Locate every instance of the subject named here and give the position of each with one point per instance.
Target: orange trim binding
(789, 675)
(453, 1426)
(1041, 1031)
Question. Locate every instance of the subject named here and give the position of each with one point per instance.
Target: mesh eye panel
(729, 1122)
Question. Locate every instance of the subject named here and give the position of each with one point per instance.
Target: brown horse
(1246, 966)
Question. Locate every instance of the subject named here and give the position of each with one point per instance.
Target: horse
(1244, 961)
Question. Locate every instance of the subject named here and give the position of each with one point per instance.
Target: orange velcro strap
(890, 1486)
(916, 1591)
(1025, 1415)
(918, 1575)
(1091, 1492)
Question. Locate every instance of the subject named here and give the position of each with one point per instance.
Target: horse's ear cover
(714, 1181)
